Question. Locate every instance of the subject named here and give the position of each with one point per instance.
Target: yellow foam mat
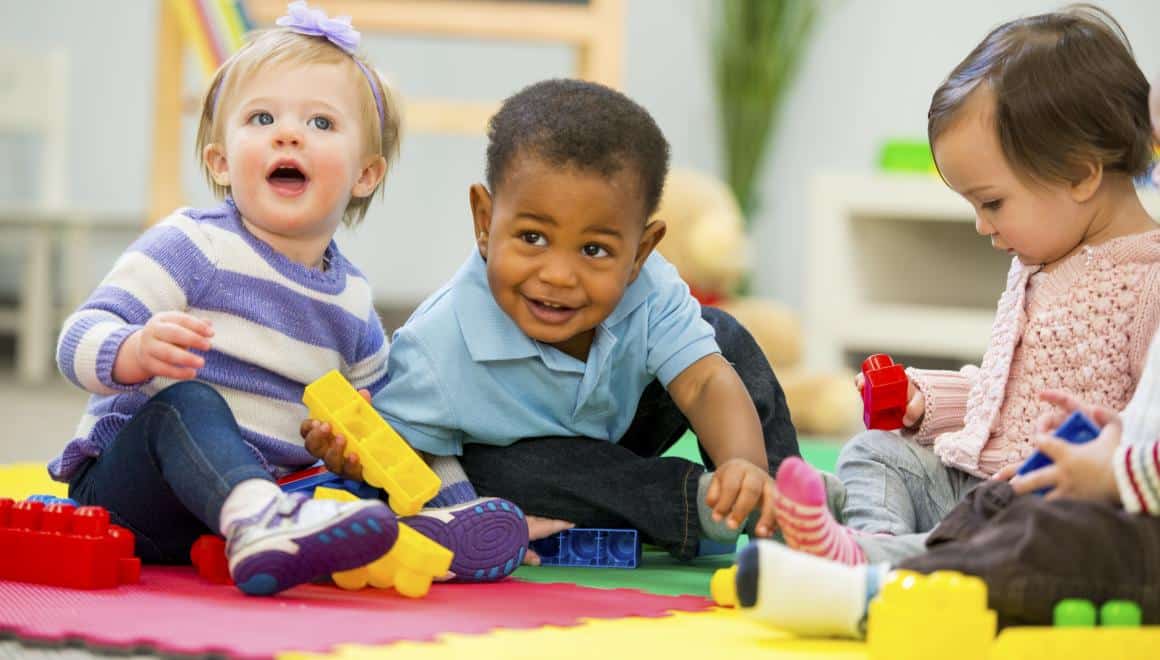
(19, 480)
(719, 633)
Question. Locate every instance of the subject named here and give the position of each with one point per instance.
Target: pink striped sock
(804, 519)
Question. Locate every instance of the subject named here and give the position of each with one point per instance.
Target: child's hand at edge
(739, 486)
(161, 348)
(542, 528)
(915, 406)
(323, 444)
(1082, 472)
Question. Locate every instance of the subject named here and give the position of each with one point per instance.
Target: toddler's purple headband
(315, 23)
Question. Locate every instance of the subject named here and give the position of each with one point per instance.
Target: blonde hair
(283, 46)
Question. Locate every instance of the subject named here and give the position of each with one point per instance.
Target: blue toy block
(1076, 429)
(51, 499)
(710, 548)
(307, 480)
(595, 548)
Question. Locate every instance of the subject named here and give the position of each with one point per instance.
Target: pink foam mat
(174, 611)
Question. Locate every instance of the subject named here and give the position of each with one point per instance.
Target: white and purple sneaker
(294, 540)
(489, 537)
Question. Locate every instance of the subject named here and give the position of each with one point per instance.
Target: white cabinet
(894, 266)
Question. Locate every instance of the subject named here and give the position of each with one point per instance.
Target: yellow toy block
(388, 461)
(943, 615)
(409, 566)
(723, 586)
(1076, 643)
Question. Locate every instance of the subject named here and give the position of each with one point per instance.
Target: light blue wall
(869, 74)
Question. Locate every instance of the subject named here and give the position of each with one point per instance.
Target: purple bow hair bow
(314, 22)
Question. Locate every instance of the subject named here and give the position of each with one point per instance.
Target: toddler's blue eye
(321, 123)
(262, 118)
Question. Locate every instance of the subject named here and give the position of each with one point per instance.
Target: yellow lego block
(1076, 643)
(388, 461)
(723, 586)
(409, 566)
(943, 615)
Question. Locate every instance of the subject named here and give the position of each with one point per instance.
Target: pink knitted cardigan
(1084, 327)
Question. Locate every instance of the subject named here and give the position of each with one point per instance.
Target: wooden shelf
(895, 265)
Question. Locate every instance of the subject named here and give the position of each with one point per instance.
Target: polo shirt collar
(492, 335)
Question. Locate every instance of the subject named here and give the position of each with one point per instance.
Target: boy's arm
(719, 409)
(721, 413)
(412, 401)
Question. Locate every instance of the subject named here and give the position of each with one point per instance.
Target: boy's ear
(480, 200)
(1083, 189)
(653, 233)
(372, 174)
(214, 157)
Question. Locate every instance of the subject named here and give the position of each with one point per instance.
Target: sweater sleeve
(161, 271)
(1137, 468)
(1142, 414)
(944, 399)
(369, 371)
(1143, 330)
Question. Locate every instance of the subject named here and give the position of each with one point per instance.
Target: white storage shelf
(895, 266)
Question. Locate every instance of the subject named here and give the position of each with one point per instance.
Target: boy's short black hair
(581, 124)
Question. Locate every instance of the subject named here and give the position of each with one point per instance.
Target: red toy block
(64, 546)
(884, 393)
(208, 555)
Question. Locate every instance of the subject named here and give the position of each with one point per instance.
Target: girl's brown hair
(1068, 94)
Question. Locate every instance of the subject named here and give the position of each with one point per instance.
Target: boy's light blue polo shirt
(460, 370)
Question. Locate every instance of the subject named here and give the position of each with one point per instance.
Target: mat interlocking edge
(719, 633)
(174, 611)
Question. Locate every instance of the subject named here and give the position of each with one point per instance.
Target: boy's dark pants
(1033, 553)
(594, 483)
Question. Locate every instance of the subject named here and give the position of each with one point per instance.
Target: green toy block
(1120, 614)
(1074, 613)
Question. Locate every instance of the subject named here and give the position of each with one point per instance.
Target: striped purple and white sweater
(278, 326)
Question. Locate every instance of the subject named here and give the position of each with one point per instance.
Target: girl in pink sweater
(1042, 129)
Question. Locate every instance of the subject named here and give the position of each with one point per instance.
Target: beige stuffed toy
(706, 242)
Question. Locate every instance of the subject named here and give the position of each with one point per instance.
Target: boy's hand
(542, 528)
(323, 444)
(161, 348)
(1082, 472)
(738, 486)
(915, 406)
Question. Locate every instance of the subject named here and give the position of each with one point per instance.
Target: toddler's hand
(1007, 473)
(1084, 471)
(738, 487)
(1063, 405)
(542, 528)
(915, 406)
(324, 444)
(161, 348)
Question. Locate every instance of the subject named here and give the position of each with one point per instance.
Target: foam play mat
(660, 609)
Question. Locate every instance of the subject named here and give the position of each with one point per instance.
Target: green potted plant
(757, 47)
